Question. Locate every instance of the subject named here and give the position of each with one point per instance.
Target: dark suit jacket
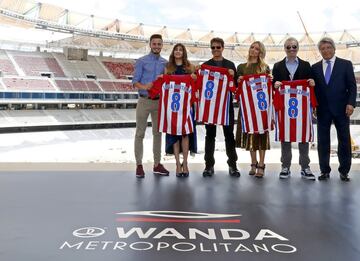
(281, 73)
(341, 90)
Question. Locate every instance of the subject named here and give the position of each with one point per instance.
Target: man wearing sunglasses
(289, 69)
(217, 48)
(336, 94)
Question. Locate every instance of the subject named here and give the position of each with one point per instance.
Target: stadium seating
(120, 69)
(124, 86)
(112, 86)
(28, 84)
(107, 86)
(6, 66)
(69, 75)
(77, 85)
(35, 65)
(12, 118)
(64, 85)
(80, 69)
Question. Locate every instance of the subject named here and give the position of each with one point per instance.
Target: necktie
(328, 71)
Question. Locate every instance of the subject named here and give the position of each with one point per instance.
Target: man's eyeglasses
(215, 47)
(291, 47)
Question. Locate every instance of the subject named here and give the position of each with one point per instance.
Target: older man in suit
(289, 69)
(336, 95)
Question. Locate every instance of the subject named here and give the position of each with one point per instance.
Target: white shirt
(324, 64)
(292, 67)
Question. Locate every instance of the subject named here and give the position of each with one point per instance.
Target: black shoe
(179, 175)
(185, 174)
(234, 172)
(324, 176)
(208, 172)
(344, 177)
(307, 174)
(285, 173)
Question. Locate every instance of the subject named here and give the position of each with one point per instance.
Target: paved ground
(77, 212)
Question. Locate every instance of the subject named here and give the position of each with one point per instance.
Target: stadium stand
(107, 86)
(36, 120)
(6, 66)
(120, 69)
(35, 63)
(22, 84)
(77, 85)
(113, 86)
(64, 85)
(124, 86)
(80, 69)
(102, 77)
(51, 117)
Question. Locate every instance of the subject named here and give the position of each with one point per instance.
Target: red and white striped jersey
(255, 96)
(215, 85)
(294, 102)
(176, 98)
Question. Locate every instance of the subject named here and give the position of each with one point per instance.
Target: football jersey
(294, 102)
(215, 85)
(176, 97)
(255, 96)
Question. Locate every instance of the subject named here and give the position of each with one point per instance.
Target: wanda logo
(88, 232)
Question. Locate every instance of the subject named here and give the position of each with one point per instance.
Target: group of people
(332, 79)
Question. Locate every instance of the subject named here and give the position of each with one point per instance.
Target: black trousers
(229, 142)
(342, 125)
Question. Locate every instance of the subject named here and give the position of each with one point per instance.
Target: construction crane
(312, 44)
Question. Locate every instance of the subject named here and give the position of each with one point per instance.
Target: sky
(276, 17)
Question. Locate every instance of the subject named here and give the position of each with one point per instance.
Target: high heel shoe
(260, 174)
(185, 174)
(180, 174)
(252, 171)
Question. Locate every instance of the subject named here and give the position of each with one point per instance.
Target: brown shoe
(140, 172)
(260, 171)
(160, 170)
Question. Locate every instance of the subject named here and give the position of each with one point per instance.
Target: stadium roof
(96, 33)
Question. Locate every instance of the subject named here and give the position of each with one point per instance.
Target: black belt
(147, 97)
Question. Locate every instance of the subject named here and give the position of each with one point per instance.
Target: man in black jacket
(217, 48)
(289, 69)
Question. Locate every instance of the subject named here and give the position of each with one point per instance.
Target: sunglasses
(291, 47)
(216, 47)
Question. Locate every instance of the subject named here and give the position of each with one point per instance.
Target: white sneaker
(285, 173)
(307, 174)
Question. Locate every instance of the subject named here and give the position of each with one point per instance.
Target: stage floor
(67, 212)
